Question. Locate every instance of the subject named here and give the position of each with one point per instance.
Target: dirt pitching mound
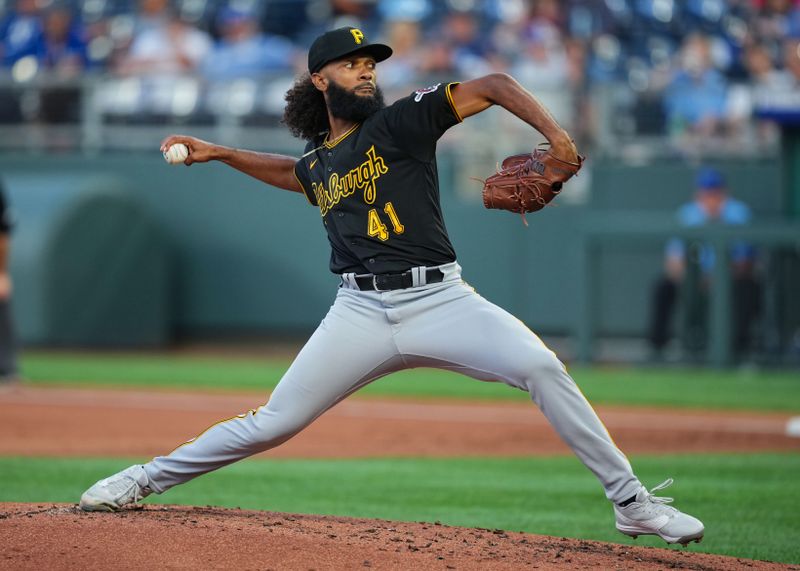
(55, 537)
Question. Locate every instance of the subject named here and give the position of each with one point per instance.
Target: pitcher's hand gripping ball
(528, 182)
(176, 154)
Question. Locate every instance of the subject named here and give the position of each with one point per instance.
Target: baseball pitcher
(371, 171)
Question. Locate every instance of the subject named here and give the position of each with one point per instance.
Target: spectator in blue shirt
(471, 50)
(696, 99)
(711, 206)
(20, 32)
(244, 51)
(51, 37)
(62, 48)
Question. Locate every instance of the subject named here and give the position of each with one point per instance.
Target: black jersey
(377, 186)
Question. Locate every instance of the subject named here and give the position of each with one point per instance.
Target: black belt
(386, 282)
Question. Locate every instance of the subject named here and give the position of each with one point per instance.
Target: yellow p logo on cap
(358, 35)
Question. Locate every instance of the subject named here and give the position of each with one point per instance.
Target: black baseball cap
(342, 42)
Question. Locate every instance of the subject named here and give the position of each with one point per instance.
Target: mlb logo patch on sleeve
(421, 92)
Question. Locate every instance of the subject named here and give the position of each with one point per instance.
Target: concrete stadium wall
(249, 259)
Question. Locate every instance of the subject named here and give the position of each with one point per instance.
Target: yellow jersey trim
(223, 421)
(297, 178)
(340, 138)
(452, 103)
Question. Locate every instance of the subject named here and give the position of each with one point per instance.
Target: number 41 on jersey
(376, 227)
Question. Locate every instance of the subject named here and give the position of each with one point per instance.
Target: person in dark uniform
(371, 171)
(8, 360)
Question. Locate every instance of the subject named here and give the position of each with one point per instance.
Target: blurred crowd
(687, 68)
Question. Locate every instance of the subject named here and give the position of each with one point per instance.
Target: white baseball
(176, 154)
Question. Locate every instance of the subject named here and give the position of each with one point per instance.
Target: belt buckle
(391, 281)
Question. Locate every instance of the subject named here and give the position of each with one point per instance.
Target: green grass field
(749, 502)
(693, 388)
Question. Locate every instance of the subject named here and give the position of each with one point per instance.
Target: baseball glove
(528, 182)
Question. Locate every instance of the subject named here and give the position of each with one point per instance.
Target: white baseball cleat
(649, 515)
(114, 492)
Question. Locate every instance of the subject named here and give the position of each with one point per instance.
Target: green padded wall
(249, 258)
(90, 267)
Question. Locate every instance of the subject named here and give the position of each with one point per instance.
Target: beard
(347, 105)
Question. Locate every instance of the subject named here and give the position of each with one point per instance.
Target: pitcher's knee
(542, 368)
(269, 429)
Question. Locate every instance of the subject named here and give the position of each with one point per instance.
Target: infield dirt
(42, 422)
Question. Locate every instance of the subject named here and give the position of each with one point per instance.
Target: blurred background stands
(637, 78)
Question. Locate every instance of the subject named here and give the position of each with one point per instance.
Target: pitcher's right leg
(351, 347)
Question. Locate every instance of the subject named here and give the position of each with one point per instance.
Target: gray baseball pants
(367, 335)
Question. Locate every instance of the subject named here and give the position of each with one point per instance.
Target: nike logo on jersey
(311, 166)
(362, 177)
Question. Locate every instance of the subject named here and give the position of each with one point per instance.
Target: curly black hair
(305, 115)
